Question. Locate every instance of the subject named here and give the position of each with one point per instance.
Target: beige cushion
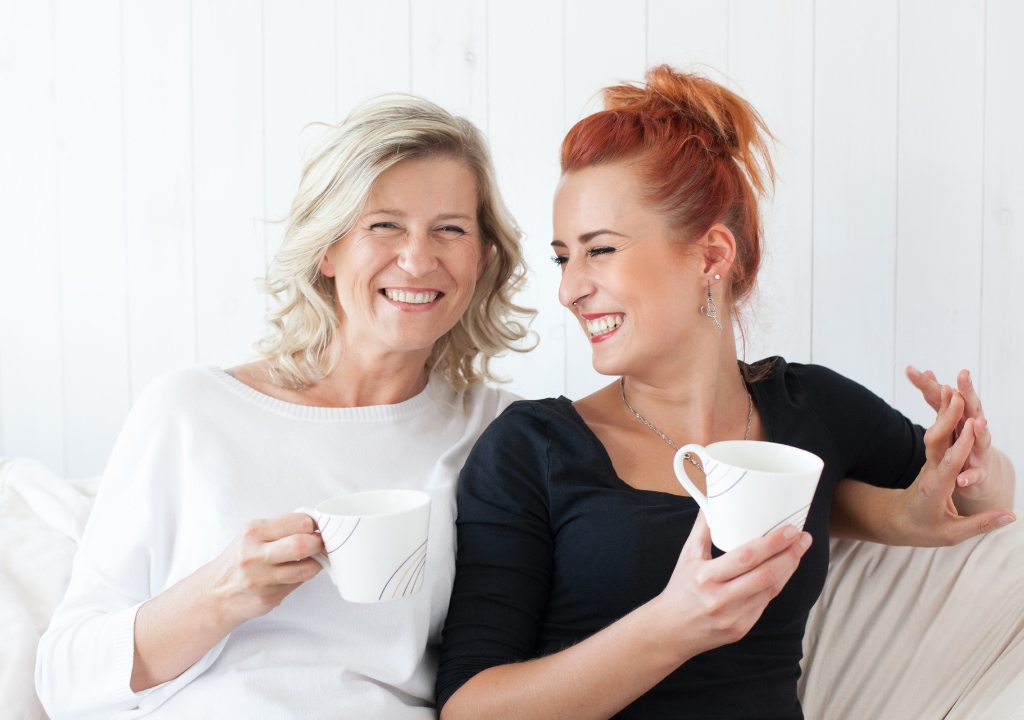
(919, 632)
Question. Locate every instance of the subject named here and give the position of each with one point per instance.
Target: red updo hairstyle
(702, 153)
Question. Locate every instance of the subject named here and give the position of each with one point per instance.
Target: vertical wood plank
(689, 35)
(855, 147)
(1000, 381)
(227, 96)
(90, 216)
(938, 288)
(525, 91)
(604, 44)
(300, 88)
(31, 377)
(771, 60)
(373, 45)
(158, 195)
(449, 55)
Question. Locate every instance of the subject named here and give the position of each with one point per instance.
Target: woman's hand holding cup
(714, 602)
(265, 562)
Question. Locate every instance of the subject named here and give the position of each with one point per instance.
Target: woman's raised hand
(958, 458)
(975, 482)
(714, 602)
(266, 561)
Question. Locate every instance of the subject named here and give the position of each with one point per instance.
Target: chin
(609, 364)
(412, 341)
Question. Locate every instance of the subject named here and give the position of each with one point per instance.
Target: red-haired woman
(586, 584)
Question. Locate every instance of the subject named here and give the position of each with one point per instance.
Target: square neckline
(752, 388)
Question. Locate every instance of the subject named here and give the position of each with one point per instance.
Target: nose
(417, 256)
(575, 285)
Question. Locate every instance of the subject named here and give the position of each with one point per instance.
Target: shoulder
(185, 389)
(487, 401)
(519, 437)
(801, 383)
(509, 465)
(533, 418)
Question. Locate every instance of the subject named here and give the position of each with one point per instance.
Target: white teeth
(413, 298)
(604, 324)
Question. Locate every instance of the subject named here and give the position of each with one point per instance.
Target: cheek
(465, 265)
(357, 269)
(665, 306)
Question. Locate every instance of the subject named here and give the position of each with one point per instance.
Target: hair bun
(692, 104)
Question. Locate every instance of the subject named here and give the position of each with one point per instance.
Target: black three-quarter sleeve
(876, 443)
(505, 548)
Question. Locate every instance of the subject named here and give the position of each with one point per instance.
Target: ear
(719, 251)
(484, 257)
(327, 264)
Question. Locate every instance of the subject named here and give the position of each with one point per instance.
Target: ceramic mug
(753, 487)
(375, 542)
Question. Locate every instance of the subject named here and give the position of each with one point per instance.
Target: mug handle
(678, 464)
(325, 563)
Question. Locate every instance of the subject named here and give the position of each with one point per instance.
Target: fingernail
(789, 532)
(1005, 520)
(805, 541)
(961, 481)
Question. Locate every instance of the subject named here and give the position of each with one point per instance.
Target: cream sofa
(900, 633)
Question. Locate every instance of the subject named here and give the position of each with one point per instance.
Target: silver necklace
(622, 389)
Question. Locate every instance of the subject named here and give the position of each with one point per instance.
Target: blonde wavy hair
(341, 168)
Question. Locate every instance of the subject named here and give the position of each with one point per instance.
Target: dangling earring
(709, 311)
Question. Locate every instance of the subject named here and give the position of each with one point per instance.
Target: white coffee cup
(753, 487)
(376, 543)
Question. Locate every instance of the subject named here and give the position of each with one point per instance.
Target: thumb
(698, 545)
(980, 524)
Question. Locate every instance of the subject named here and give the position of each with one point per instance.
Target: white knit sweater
(200, 455)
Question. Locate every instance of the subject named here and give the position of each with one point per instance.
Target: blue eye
(384, 225)
(452, 229)
(559, 259)
(601, 251)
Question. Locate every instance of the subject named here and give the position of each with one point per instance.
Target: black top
(553, 546)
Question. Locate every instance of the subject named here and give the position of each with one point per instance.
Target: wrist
(211, 601)
(664, 632)
(895, 527)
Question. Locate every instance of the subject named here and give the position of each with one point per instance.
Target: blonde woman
(194, 592)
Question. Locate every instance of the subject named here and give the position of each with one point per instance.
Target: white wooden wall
(142, 144)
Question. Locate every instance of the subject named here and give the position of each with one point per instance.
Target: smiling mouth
(411, 297)
(605, 324)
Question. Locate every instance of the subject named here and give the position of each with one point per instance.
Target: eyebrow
(399, 213)
(587, 237)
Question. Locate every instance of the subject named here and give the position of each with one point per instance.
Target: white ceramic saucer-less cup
(753, 487)
(375, 541)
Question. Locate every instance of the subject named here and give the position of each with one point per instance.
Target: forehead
(601, 193)
(424, 183)
(608, 196)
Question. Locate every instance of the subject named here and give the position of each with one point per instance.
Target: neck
(359, 379)
(696, 396)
